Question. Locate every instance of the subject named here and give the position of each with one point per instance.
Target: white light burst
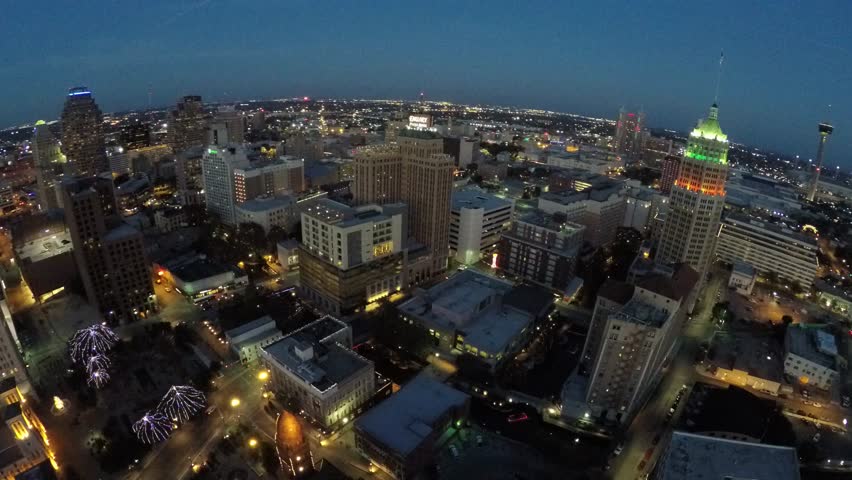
(97, 339)
(152, 428)
(182, 402)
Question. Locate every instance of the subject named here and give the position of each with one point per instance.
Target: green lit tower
(697, 198)
(825, 129)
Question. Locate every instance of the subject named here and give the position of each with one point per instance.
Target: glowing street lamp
(235, 402)
(263, 375)
(252, 442)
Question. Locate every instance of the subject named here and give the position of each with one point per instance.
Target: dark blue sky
(784, 61)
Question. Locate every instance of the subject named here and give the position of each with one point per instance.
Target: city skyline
(458, 54)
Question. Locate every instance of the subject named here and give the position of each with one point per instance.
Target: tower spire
(719, 78)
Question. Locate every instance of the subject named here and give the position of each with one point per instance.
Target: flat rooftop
(461, 296)
(777, 229)
(404, 421)
(812, 344)
(120, 232)
(45, 247)
(547, 220)
(698, 457)
(312, 355)
(743, 269)
(495, 328)
(637, 311)
(263, 321)
(257, 205)
(322, 366)
(474, 198)
(198, 269)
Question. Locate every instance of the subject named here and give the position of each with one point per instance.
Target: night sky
(784, 61)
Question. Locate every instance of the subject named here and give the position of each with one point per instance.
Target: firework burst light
(181, 403)
(152, 428)
(98, 378)
(97, 363)
(95, 340)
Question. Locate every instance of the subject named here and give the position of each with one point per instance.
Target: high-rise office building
(48, 160)
(671, 168)
(234, 122)
(83, 133)
(633, 334)
(284, 175)
(217, 167)
(187, 126)
(825, 129)
(698, 197)
(378, 174)
(416, 172)
(427, 190)
(135, 135)
(110, 254)
(188, 173)
(541, 248)
(628, 134)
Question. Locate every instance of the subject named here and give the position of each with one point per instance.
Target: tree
(787, 320)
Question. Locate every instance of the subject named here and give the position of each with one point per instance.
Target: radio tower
(825, 129)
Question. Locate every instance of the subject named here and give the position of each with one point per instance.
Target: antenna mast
(719, 77)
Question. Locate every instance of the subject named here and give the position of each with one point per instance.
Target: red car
(518, 417)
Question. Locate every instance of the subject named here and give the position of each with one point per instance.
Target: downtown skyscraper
(187, 125)
(110, 254)
(48, 161)
(416, 171)
(83, 141)
(628, 134)
(697, 198)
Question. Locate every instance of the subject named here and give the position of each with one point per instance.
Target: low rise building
(198, 277)
(315, 367)
(834, 298)
(811, 356)
(268, 212)
(44, 252)
(288, 255)
(770, 248)
(246, 340)
(477, 220)
(400, 434)
(170, 219)
(689, 455)
(541, 248)
(467, 313)
(742, 279)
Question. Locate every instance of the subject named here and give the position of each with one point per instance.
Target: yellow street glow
(235, 402)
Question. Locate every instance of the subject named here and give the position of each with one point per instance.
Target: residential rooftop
(406, 419)
(699, 457)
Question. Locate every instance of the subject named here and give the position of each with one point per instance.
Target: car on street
(618, 449)
(518, 417)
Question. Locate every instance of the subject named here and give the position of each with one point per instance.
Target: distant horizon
(684, 131)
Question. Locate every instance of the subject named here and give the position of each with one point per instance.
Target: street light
(263, 375)
(235, 402)
(252, 442)
(844, 422)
